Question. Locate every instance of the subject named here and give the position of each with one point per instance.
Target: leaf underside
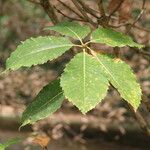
(37, 51)
(83, 83)
(113, 38)
(47, 102)
(71, 29)
(122, 78)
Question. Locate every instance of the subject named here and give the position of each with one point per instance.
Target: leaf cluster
(87, 76)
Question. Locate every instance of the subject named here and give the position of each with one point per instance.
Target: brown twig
(104, 19)
(118, 6)
(141, 13)
(82, 11)
(49, 9)
(129, 24)
(141, 28)
(138, 17)
(88, 9)
(101, 8)
(71, 18)
(71, 9)
(141, 121)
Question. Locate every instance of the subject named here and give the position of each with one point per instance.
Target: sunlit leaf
(122, 78)
(83, 83)
(37, 51)
(113, 38)
(71, 29)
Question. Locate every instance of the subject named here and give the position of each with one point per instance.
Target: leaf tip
(24, 123)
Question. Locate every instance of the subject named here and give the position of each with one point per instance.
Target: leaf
(37, 51)
(122, 78)
(47, 102)
(8, 143)
(71, 29)
(2, 147)
(113, 38)
(83, 83)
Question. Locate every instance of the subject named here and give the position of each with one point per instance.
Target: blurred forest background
(107, 127)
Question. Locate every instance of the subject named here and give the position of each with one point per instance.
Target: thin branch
(118, 6)
(141, 121)
(71, 18)
(130, 24)
(139, 16)
(142, 52)
(101, 8)
(49, 9)
(71, 9)
(141, 28)
(88, 9)
(141, 13)
(82, 11)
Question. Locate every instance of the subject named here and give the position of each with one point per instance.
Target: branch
(71, 18)
(49, 9)
(88, 9)
(138, 17)
(141, 13)
(118, 6)
(101, 8)
(130, 24)
(141, 121)
(71, 9)
(82, 11)
(141, 28)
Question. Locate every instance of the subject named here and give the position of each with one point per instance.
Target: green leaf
(37, 51)
(47, 102)
(113, 38)
(122, 78)
(71, 29)
(8, 143)
(2, 147)
(83, 83)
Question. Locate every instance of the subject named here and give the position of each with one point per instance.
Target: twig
(82, 11)
(130, 24)
(71, 18)
(141, 13)
(71, 9)
(142, 52)
(49, 9)
(101, 8)
(104, 19)
(141, 28)
(138, 17)
(88, 9)
(118, 6)
(141, 121)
